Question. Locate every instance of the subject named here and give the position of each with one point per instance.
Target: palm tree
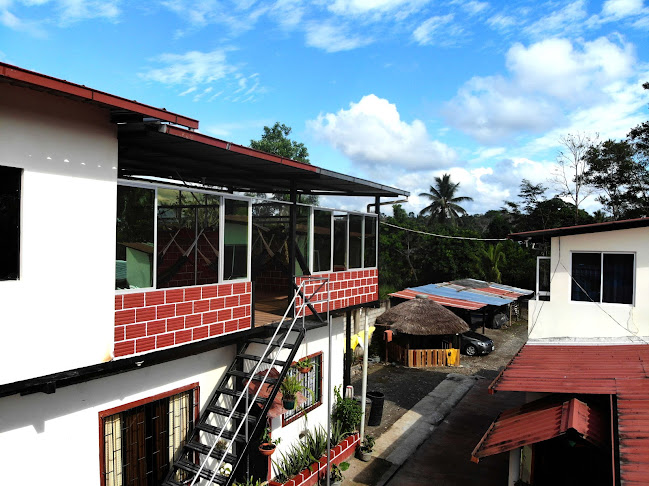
(443, 204)
(494, 255)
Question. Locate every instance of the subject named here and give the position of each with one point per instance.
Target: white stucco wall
(59, 315)
(316, 340)
(62, 429)
(562, 318)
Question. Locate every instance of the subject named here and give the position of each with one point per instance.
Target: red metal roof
(541, 420)
(502, 292)
(27, 78)
(621, 370)
(581, 229)
(446, 301)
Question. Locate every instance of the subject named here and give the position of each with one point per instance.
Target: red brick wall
(348, 288)
(157, 319)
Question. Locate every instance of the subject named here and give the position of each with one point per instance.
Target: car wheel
(470, 350)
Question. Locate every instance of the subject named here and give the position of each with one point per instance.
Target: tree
(443, 204)
(639, 139)
(494, 255)
(619, 178)
(275, 141)
(571, 166)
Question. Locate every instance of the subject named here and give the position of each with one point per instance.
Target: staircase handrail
(252, 375)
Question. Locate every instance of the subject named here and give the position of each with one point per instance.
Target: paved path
(432, 443)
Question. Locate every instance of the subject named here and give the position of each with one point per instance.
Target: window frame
(318, 400)
(222, 197)
(601, 276)
(194, 388)
(20, 172)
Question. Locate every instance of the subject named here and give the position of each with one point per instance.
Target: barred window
(313, 381)
(140, 442)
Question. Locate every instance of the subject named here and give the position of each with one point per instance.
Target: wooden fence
(423, 358)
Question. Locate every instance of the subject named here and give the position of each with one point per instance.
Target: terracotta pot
(304, 371)
(267, 448)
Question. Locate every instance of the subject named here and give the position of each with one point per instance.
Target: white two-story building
(140, 286)
(585, 367)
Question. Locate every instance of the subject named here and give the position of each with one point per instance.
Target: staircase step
(244, 374)
(276, 344)
(237, 393)
(252, 357)
(226, 413)
(211, 429)
(216, 454)
(192, 468)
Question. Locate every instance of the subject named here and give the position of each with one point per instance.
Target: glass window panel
(188, 238)
(302, 242)
(370, 241)
(134, 238)
(10, 179)
(618, 278)
(321, 241)
(355, 241)
(586, 276)
(235, 240)
(340, 243)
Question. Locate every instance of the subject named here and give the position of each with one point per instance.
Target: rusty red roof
(581, 229)
(542, 420)
(621, 370)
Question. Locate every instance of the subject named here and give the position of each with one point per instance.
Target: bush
(347, 412)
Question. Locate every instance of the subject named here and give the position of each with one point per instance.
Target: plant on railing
(304, 365)
(267, 445)
(291, 386)
(347, 412)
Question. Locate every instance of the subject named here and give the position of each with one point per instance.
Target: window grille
(313, 381)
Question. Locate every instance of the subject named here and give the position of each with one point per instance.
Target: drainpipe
(364, 382)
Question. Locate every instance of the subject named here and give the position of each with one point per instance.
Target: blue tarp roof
(471, 294)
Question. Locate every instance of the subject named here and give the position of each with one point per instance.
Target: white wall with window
(78, 422)
(60, 306)
(597, 286)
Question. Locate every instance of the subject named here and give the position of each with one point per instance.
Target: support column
(514, 466)
(347, 378)
(377, 210)
(292, 231)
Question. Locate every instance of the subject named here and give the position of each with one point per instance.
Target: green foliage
(275, 141)
(494, 255)
(265, 438)
(336, 472)
(291, 386)
(368, 443)
(444, 203)
(251, 481)
(301, 454)
(347, 412)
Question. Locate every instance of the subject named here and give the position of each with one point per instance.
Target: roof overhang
(121, 109)
(170, 152)
(539, 235)
(542, 420)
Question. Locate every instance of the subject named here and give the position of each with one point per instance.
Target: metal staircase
(236, 412)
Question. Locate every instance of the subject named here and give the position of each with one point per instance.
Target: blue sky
(396, 91)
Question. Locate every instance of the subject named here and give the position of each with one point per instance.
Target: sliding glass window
(235, 240)
(134, 241)
(302, 243)
(370, 241)
(355, 241)
(188, 238)
(321, 240)
(340, 242)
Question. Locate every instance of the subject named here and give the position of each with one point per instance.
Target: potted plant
(291, 386)
(336, 473)
(304, 365)
(365, 450)
(267, 446)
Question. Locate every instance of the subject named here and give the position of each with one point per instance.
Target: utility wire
(442, 236)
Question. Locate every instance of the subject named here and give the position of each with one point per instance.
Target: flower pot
(304, 371)
(267, 448)
(288, 404)
(363, 456)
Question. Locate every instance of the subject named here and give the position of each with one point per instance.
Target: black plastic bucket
(376, 413)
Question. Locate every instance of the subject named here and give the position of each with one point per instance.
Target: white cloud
(565, 21)
(193, 67)
(238, 16)
(473, 7)
(437, 30)
(333, 37)
(619, 9)
(372, 133)
(367, 7)
(502, 22)
(548, 82)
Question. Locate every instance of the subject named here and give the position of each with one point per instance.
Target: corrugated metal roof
(581, 229)
(621, 370)
(445, 301)
(542, 420)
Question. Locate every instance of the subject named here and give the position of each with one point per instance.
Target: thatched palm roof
(422, 317)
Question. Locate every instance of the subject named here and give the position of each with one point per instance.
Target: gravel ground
(403, 387)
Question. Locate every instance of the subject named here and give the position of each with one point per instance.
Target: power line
(442, 236)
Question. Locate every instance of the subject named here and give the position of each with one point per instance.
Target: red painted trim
(239, 149)
(128, 406)
(62, 86)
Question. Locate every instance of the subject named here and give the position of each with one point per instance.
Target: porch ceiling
(174, 153)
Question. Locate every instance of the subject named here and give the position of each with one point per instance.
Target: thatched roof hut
(422, 317)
